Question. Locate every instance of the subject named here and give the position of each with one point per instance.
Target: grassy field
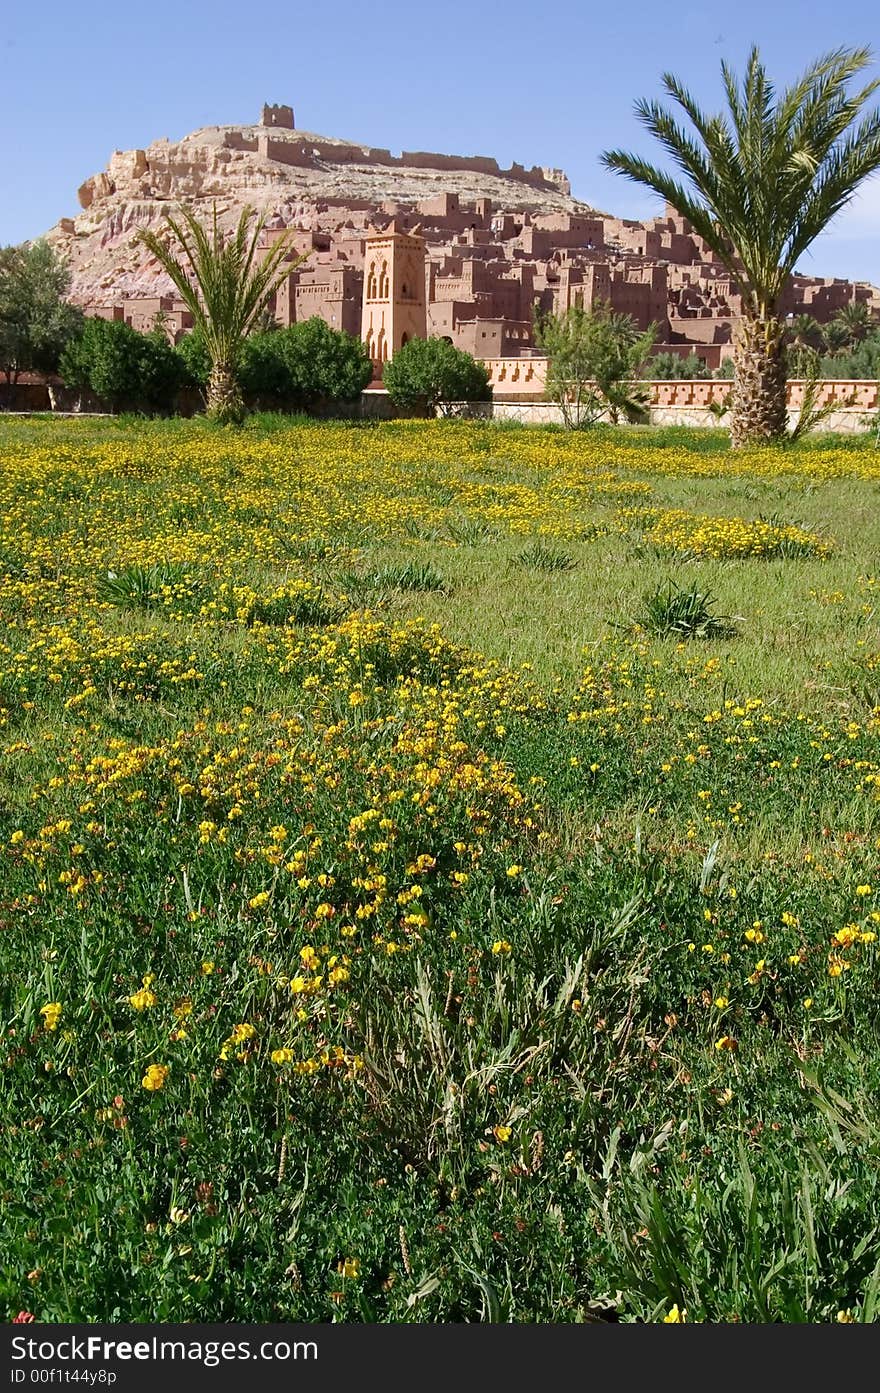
(395, 923)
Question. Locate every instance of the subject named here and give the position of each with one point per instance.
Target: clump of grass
(183, 514)
(793, 540)
(420, 531)
(147, 587)
(468, 531)
(405, 575)
(441, 495)
(540, 557)
(671, 610)
(311, 611)
(409, 575)
(779, 1252)
(307, 548)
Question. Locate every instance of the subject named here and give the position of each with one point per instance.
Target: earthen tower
(394, 291)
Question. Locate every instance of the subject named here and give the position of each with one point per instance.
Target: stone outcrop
(315, 182)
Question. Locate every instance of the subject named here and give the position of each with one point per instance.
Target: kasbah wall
(475, 274)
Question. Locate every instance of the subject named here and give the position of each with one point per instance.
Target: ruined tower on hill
(279, 116)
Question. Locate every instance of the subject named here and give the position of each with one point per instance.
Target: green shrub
(430, 372)
(323, 363)
(290, 369)
(263, 372)
(194, 358)
(671, 366)
(124, 368)
(304, 365)
(36, 320)
(597, 358)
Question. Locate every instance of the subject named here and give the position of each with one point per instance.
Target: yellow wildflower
(143, 999)
(51, 1014)
(675, 1317)
(155, 1077)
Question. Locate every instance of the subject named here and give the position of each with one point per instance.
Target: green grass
(338, 743)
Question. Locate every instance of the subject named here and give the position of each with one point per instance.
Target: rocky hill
(295, 177)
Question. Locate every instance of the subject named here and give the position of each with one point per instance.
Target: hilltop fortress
(488, 244)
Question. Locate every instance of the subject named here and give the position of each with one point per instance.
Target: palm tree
(802, 335)
(835, 336)
(763, 179)
(803, 331)
(226, 290)
(856, 319)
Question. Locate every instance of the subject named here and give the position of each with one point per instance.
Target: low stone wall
(846, 421)
(24, 396)
(858, 411)
(518, 386)
(376, 405)
(523, 379)
(850, 394)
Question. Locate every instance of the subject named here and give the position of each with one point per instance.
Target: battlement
(310, 151)
(557, 177)
(278, 116)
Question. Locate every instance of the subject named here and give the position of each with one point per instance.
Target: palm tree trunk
(758, 411)
(224, 402)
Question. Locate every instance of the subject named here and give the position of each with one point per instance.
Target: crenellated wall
(308, 151)
(520, 377)
(848, 395)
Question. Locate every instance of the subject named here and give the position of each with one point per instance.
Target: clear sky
(548, 84)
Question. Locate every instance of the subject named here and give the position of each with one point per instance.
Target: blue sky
(537, 83)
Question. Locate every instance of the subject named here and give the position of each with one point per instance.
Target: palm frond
(225, 287)
(763, 179)
(217, 276)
